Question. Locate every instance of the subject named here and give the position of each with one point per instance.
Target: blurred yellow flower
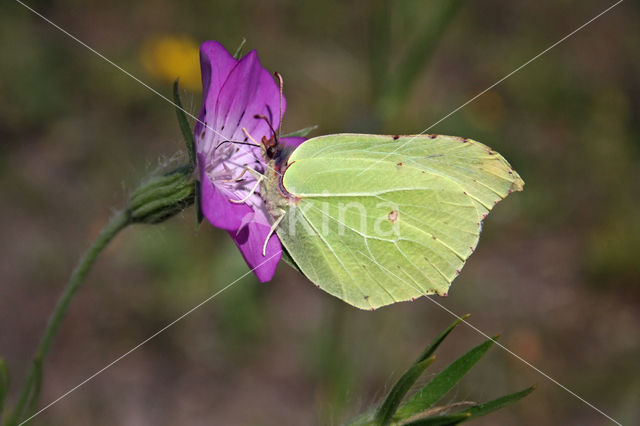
(169, 57)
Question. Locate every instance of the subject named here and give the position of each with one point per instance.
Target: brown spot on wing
(393, 216)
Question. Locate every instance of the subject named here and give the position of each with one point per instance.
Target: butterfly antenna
(238, 142)
(266, 119)
(281, 84)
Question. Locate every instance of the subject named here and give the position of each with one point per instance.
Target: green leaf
(488, 407)
(197, 205)
(422, 49)
(434, 345)
(445, 420)
(387, 409)
(187, 134)
(185, 128)
(379, 44)
(443, 382)
(402, 386)
(300, 133)
(238, 53)
(4, 383)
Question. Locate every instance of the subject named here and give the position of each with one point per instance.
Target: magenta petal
(217, 208)
(215, 65)
(250, 240)
(249, 90)
(233, 93)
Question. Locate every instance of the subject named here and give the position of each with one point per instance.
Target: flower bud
(162, 197)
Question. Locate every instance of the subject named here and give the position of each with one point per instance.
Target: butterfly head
(272, 148)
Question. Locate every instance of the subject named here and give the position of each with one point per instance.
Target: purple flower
(233, 92)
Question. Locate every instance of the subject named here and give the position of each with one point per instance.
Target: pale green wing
(383, 219)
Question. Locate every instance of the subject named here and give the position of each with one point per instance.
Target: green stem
(29, 395)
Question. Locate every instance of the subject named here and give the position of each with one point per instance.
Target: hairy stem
(31, 388)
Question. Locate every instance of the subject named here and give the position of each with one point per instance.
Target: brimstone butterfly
(375, 220)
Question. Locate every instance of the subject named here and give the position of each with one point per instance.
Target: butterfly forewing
(382, 219)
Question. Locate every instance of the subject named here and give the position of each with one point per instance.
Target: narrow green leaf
(444, 420)
(364, 419)
(197, 205)
(443, 382)
(394, 398)
(421, 51)
(387, 409)
(4, 384)
(300, 133)
(379, 44)
(238, 52)
(185, 128)
(434, 345)
(189, 141)
(488, 407)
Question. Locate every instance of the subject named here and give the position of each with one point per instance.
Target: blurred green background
(557, 270)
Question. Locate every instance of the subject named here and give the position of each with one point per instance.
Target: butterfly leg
(271, 231)
(236, 179)
(253, 190)
(256, 174)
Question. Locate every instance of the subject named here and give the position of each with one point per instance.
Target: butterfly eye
(271, 151)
